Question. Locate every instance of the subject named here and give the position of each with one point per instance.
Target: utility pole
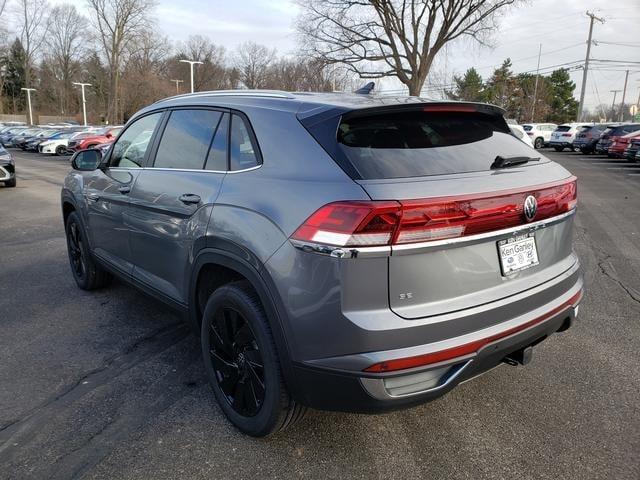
(177, 82)
(624, 94)
(84, 101)
(535, 89)
(586, 63)
(613, 104)
(29, 90)
(191, 64)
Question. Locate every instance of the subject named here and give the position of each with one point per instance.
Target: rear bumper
(564, 144)
(324, 385)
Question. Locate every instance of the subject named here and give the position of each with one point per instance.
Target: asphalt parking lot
(109, 384)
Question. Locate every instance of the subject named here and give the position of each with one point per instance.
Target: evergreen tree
(469, 87)
(502, 86)
(564, 108)
(14, 75)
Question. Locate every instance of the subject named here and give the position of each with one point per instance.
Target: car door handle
(92, 197)
(124, 189)
(189, 198)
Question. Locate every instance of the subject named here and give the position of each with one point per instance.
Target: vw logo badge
(530, 207)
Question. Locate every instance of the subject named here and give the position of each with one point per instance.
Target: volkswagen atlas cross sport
(344, 252)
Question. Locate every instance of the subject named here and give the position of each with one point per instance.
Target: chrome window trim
(187, 169)
(411, 248)
(6, 175)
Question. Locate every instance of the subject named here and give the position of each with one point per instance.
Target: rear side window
(243, 153)
(417, 143)
(563, 128)
(217, 158)
(186, 139)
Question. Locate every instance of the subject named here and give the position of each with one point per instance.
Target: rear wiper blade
(503, 162)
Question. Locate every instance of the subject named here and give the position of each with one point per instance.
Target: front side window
(186, 139)
(242, 154)
(130, 149)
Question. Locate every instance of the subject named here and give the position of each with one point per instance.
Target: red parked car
(98, 137)
(620, 144)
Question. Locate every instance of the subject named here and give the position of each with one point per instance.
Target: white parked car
(57, 145)
(563, 136)
(519, 133)
(539, 133)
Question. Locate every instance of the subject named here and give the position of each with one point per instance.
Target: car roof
(303, 103)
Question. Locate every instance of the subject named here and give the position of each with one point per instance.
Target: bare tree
(117, 24)
(31, 16)
(385, 38)
(253, 62)
(212, 74)
(66, 43)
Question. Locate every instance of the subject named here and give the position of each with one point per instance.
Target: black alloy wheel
(237, 361)
(76, 255)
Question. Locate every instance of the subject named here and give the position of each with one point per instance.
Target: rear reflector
(379, 223)
(467, 348)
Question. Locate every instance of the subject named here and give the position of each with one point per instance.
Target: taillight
(351, 223)
(566, 134)
(377, 223)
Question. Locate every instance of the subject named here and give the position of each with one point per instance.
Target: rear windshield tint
(416, 143)
(563, 128)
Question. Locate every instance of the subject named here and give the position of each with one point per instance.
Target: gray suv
(336, 251)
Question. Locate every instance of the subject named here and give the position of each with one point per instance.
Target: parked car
(612, 134)
(8, 132)
(57, 144)
(620, 144)
(632, 150)
(588, 136)
(7, 168)
(518, 132)
(563, 136)
(96, 138)
(32, 144)
(341, 252)
(15, 134)
(539, 133)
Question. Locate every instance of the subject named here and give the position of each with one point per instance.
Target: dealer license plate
(517, 253)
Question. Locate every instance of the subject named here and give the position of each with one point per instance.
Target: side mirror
(86, 160)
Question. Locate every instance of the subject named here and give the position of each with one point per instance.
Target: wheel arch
(232, 267)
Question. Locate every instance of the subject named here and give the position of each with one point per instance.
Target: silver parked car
(336, 251)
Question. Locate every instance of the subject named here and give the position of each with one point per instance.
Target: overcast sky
(561, 26)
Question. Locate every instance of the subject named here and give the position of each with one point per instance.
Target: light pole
(178, 82)
(613, 104)
(84, 101)
(29, 90)
(191, 64)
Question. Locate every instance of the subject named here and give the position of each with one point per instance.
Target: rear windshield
(417, 143)
(563, 128)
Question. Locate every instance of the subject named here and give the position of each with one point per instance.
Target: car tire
(61, 150)
(11, 183)
(242, 363)
(87, 274)
(538, 143)
(558, 149)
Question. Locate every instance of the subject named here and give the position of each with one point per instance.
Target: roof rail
(233, 93)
